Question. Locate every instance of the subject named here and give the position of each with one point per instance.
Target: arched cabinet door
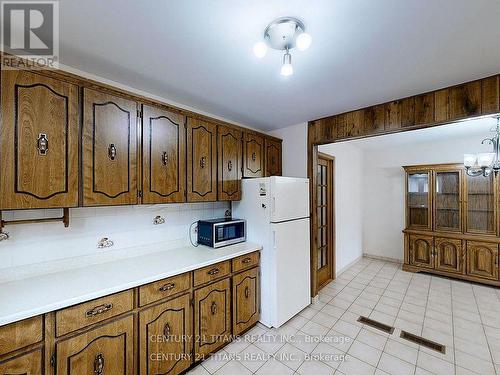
(246, 300)
(421, 251)
(273, 158)
(164, 156)
(109, 149)
(39, 141)
(229, 164)
(201, 161)
(253, 155)
(482, 259)
(449, 255)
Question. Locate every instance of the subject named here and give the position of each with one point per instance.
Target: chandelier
(483, 164)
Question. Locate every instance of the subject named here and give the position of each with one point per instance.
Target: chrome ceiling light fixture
(483, 164)
(284, 34)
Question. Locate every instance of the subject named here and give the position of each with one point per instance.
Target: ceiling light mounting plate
(282, 33)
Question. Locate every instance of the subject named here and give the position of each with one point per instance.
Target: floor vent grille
(424, 342)
(375, 324)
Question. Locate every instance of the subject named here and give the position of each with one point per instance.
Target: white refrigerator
(277, 213)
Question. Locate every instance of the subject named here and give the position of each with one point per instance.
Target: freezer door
(289, 198)
(290, 245)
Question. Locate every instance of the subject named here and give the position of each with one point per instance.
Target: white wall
(294, 149)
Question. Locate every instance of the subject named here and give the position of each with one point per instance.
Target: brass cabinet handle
(230, 165)
(99, 310)
(164, 158)
(213, 271)
(99, 364)
(247, 292)
(166, 331)
(112, 152)
(203, 162)
(167, 287)
(254, 156)
(42, 144)
(213, 308)
(246, 260)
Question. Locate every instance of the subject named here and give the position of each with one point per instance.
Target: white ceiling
(199, 52)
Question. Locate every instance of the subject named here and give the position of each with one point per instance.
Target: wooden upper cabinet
(482, 259)
(109, 149)
(458, 102)
(201, 160)
(39, 141)
(164, 156)
(108, 349)
(229, 164)
(273, 157)
(253, 155)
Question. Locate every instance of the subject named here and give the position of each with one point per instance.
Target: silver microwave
(221, 232)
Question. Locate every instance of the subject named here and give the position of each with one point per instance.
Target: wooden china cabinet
(452, 225)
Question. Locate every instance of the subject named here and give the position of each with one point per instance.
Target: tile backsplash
(126, 226)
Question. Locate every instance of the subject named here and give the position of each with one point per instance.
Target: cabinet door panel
(482, 259)
(212, 317)
(164, 150)
(418, 200)
(165, 332)
(109, 149)
(273, 158)
(202, 161)
(421, 251)
(39, 142)
(449, 255)
(25, 364)
(480, 204)
(246, 300)
(108, 349)
(229, 154)
(448, 200)
(253, 155)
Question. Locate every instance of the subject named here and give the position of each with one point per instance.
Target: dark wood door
(109, 149)
(273, 157)
(166, 330)
(164, 156)
(39, 142)
(201, 161)
(421, 251)
(25, 364)
(253, 155)
(449, 255)
(108, 349)
(246, 300)
(212, 317)
(482, 259)
(229, 164)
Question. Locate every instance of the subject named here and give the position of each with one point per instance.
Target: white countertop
(25, 298)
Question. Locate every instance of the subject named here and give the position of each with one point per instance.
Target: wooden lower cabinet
(26, 364)
(421, 250)
(165, 337)
(449, 254)
(246, 296)
(212, 317)
(108, 349)
(482, 259)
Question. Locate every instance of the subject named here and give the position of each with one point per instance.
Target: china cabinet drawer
(213, 272)
(164, 288)
(20, 334)
(85, 314)
(245, 261)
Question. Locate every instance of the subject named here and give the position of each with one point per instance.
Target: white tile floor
(325, 338)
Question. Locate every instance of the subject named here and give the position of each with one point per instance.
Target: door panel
(480, 204)
(229, 147)
(164, 156)
(418, 200)
(212, 317)
(165, 337)
(39, 141)
(449, 255)
(202, 161)
(26, 364)
(109, 149)
(246, 300)
(108, 349)
(421, 251)
(273, 157)
(448, 200)
(253, 155)
(482, 259)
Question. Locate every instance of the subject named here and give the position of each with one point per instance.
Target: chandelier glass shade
(486, 163)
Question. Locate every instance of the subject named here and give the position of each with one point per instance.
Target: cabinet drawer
(28, 363)
(245, 261)
(213, 272)
(164, 288)
(85, 314)
(20, 334)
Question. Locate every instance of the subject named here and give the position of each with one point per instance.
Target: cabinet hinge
(192, 301)
(139, 113)
(139, 193)
(53, 360)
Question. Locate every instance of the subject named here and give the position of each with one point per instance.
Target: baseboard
(345, 268)
(386, 259)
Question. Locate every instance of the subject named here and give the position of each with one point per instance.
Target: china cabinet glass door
(447, 201)
(480, 205)
(418, 200)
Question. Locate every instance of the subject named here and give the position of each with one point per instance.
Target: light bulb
(260, 49)
(287, 68)
(303, 41)
(469, 160)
